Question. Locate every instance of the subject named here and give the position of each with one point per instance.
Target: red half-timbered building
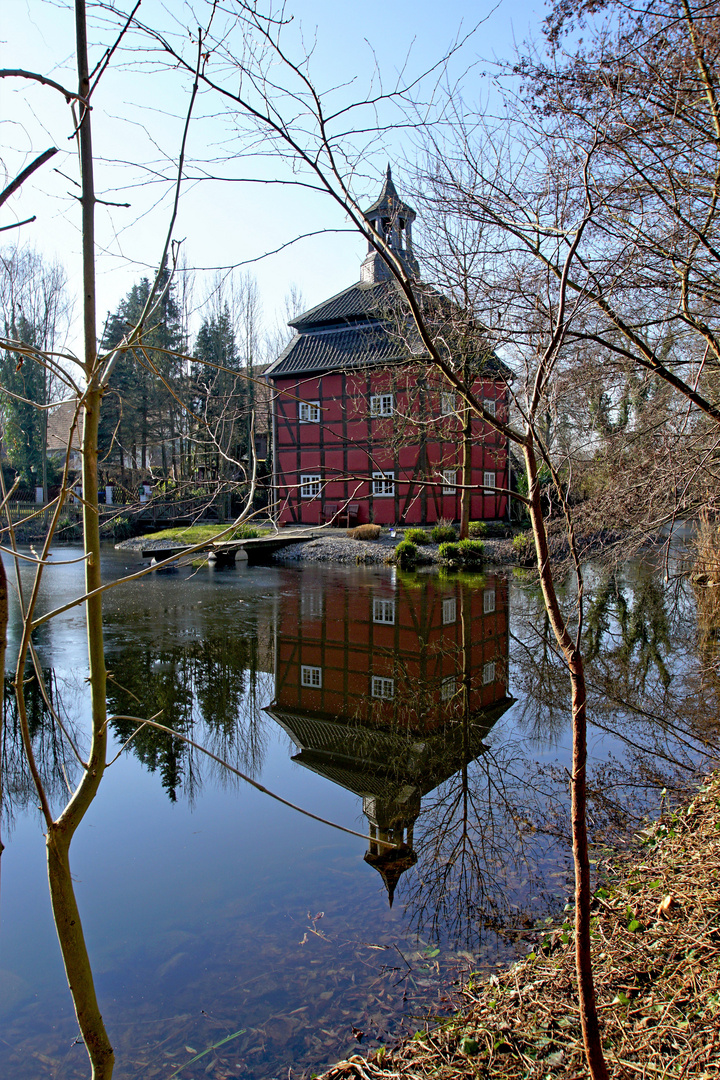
(366, 429)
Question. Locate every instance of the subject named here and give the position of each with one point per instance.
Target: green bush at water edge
(450, 553)
(472, 551)
(406, 555)
(524, 548)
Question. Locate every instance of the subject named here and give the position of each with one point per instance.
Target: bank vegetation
(655, 933)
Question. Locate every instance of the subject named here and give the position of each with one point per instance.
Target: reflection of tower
(389, 691)
(392, 820)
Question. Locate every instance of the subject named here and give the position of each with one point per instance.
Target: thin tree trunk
(466, 475)
(578, 792)
(60, 832)
(3, 648)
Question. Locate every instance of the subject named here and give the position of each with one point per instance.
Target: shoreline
(336, 547)
(656, 964)
(333, 545)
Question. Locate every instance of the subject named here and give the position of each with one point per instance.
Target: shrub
(450, 553)
(417, 536)
(245, 531)
(444, 530)
(477, 528)
(472, 551)
(120, 528)
(406, 555)
(364, 532)
(524, 548)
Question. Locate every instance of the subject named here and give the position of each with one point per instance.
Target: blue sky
(137, 120)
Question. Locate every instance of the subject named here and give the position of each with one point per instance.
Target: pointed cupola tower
(392, 219)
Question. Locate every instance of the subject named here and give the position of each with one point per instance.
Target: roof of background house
(58, 428)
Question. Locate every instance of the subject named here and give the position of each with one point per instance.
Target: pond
(428, 712)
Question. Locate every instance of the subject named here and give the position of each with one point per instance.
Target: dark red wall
(348, 444)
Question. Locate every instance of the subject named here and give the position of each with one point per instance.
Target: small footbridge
(227, 552)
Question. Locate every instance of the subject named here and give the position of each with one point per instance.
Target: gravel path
(340, 549)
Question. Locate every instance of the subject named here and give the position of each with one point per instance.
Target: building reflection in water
(389, 687)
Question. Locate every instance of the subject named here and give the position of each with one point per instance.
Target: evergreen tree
(140, 420)
(219, 398)
(24, 424)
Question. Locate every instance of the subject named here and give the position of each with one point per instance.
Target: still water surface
(423, 710)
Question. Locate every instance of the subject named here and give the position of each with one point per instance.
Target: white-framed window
(490, 405)
(449, 610)
(448, 687)
(449, 481)
(383, 483)
(383, 688)
(311, 605)
(448, 402)
(384, 611)
(488, 601)
(381, 405)
(309, 412)
(488, 672)
(311, 676)
(489, 483)
(310, 485)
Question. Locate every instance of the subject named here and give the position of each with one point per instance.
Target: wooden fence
(153, 509)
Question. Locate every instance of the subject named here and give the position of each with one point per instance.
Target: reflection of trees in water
(479, 857)
(707, 688)
(645, 693)
(56, 762)
(538, 676)
(485, 833)
(212, 682)
(627, 628)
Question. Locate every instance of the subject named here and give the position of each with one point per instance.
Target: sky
(139, 110)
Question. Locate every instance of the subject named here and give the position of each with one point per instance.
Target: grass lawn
(196, 534)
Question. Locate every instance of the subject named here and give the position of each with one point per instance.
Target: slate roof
(344, 347)
(371, 761)
(360, 302)
(353, 329)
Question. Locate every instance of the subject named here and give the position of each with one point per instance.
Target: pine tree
(24, 424)
(140, 420)
(220, 398)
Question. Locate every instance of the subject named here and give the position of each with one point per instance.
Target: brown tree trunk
(60, 832)
(3, 648)
(75, 955)
(578, 792)
(466, 475)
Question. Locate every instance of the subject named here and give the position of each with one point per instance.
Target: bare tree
(87, 389)
(307, 134)
(35, 312)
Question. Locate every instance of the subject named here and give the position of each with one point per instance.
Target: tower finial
(391, 219)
